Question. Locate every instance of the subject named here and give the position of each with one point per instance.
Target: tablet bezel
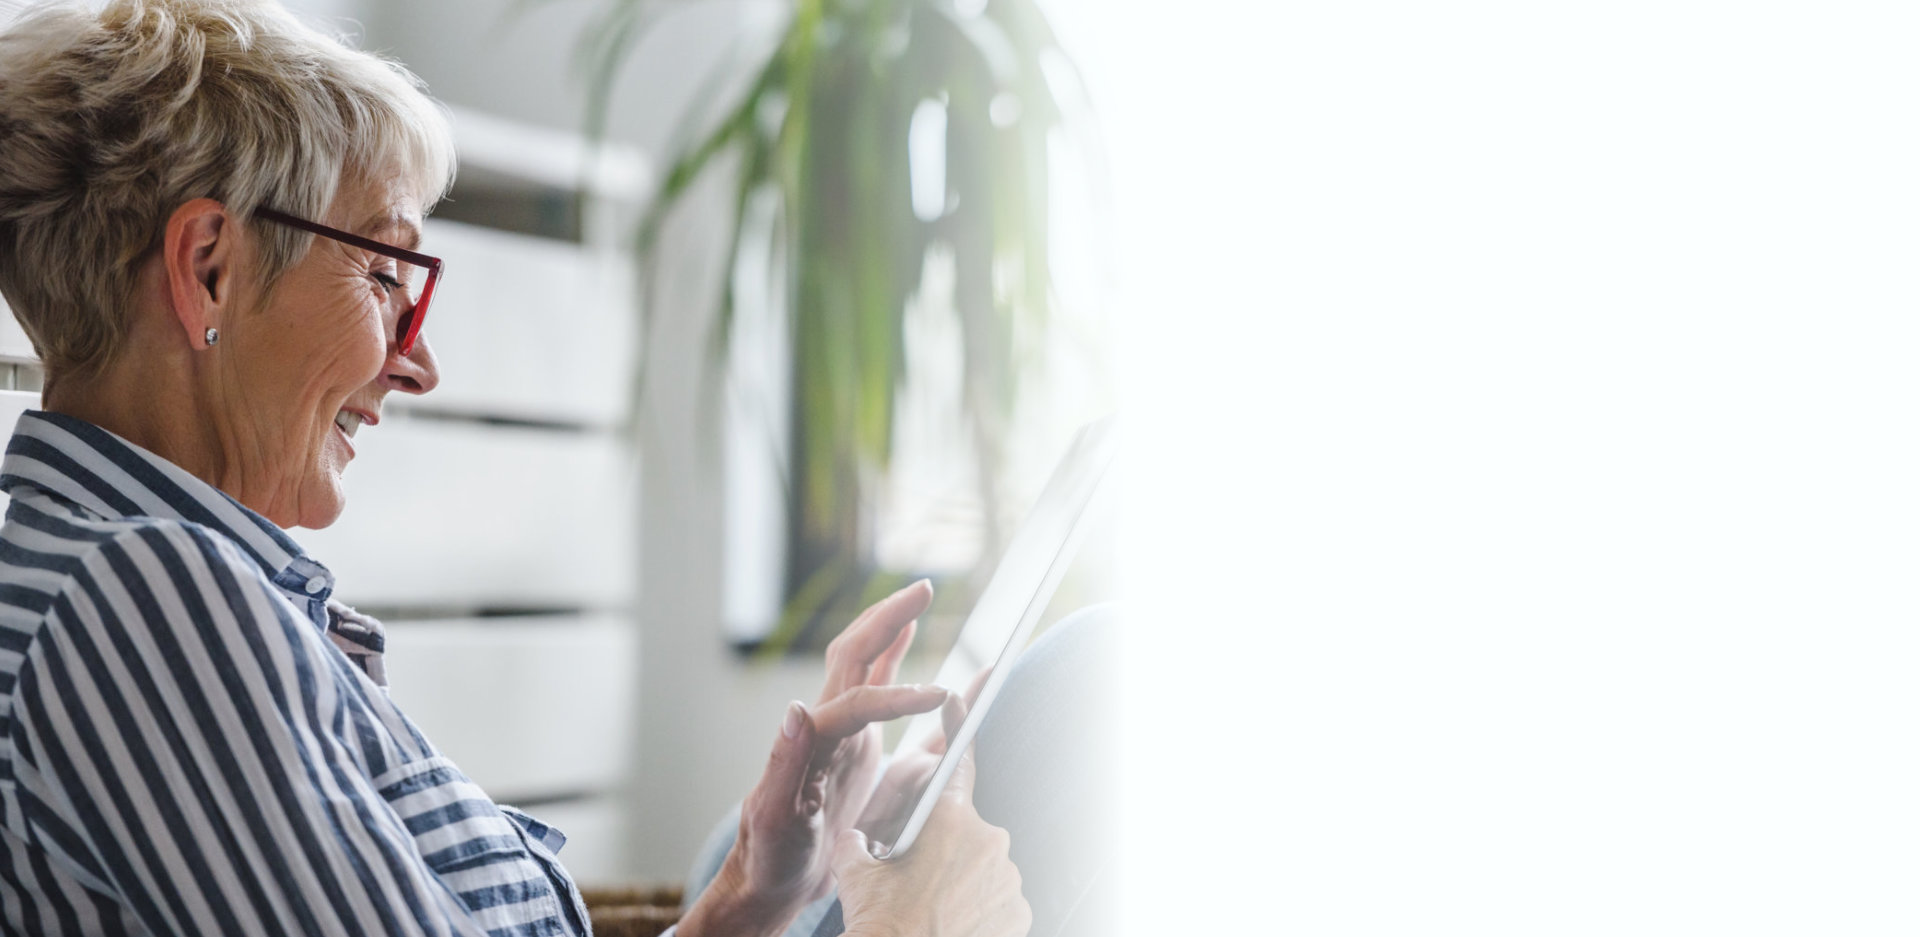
(1095, 442)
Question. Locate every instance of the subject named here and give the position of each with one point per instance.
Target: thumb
(851, 854)
(961, 783)
(953, 714)
(792, 750)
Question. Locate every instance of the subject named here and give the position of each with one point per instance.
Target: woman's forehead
(387, 211)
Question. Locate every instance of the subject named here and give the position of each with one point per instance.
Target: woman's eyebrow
(387, 222)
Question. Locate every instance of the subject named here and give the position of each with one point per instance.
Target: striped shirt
(192, 738)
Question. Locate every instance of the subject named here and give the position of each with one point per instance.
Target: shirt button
(315, 585)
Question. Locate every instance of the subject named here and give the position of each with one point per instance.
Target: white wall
(473, 53)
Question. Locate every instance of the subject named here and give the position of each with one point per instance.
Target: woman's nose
(416, 373)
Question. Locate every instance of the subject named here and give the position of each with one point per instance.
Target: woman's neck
(153, 401)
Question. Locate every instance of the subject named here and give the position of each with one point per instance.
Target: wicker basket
(632, 912)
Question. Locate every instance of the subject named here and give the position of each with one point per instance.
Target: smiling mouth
(348, 422)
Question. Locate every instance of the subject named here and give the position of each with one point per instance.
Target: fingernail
(791, 727)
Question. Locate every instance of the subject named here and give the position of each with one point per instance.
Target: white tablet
(1000, 625)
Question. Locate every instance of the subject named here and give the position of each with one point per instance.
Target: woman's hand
(866, 655)
(957, 879)
(818, 778)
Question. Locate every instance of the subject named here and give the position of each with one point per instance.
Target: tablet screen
(995, 632)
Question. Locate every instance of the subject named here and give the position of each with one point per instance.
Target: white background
(1526, 526)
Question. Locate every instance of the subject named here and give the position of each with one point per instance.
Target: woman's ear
(198, 256)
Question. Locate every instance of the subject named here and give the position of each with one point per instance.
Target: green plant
(824, 128)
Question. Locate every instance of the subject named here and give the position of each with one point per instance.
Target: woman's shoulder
(163, 601)
(57, 557)
(44, 533)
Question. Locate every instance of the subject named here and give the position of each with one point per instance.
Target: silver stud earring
(213, 337)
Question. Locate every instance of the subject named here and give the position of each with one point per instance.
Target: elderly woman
(209, 217)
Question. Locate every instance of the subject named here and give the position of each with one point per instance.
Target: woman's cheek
(371, 346)
(353, 357)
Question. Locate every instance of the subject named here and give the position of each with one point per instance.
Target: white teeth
(349, 423)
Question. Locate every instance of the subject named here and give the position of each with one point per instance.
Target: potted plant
(893, 136)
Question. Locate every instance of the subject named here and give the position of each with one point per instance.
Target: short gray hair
(111, 120)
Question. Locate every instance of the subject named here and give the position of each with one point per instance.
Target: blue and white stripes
(184, 751)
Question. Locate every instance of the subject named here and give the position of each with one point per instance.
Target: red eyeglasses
(405, 277)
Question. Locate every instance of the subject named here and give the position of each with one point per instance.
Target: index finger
(862, 706)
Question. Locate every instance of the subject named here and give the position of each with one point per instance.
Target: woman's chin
(323, 515)
(324, 495)
(322, 498)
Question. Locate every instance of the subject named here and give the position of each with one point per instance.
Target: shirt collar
(111, 477)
